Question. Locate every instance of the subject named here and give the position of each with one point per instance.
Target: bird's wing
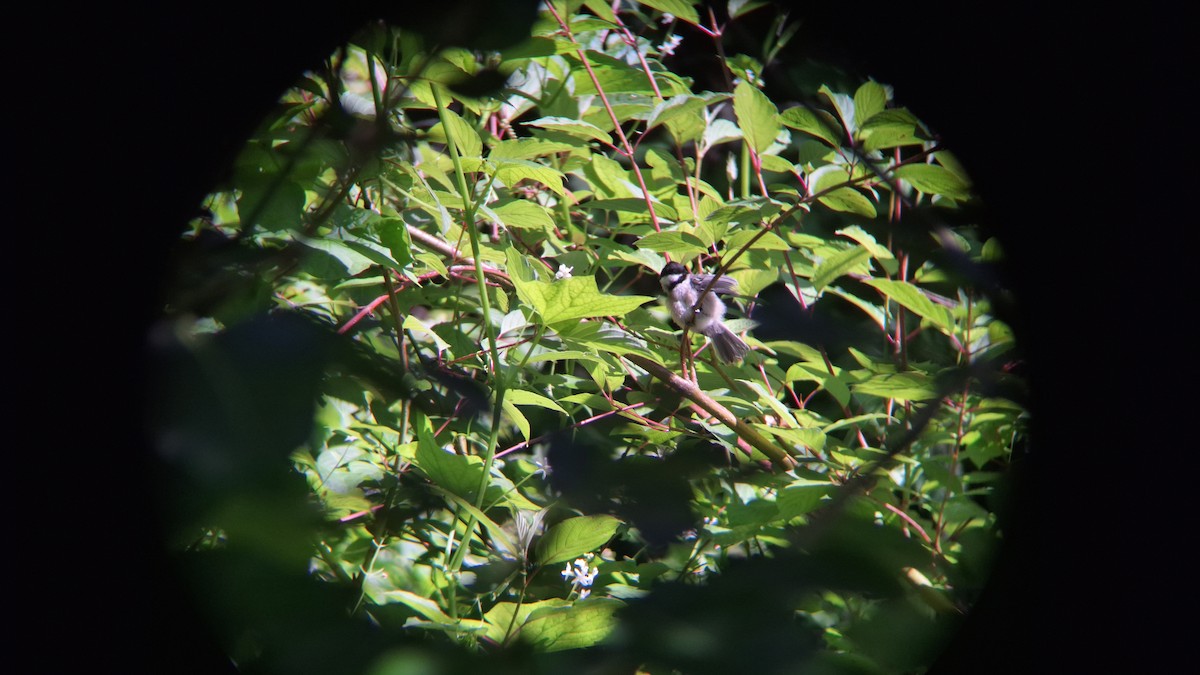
(725, 285)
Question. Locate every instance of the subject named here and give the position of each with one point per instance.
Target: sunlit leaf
(524, 214)
(575, 298)
(574, 537)
(869, 99)
(526, 397)
(678, 244)
(914, 300)
(577, 128)
(681, 9)
(849, 200)
(513, 171)
(813, 122)
(584, 624)
(842, 262)
(466, 139)
(934, 180)
(911, 386)
(756, 115)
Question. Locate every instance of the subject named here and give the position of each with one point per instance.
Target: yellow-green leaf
(525, 397)
(681, 9)
(934, 180)
(915, 301)
(838, 264)
(574, 537)
(577, 128)
(756, 115)
(583, 624)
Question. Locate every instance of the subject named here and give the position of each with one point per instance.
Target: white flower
(564, 272)
(667, 18)
(581, 575)
(668, 48)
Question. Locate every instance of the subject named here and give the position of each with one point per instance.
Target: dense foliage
(422, 403)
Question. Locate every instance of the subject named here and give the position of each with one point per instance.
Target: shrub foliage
(421, 402)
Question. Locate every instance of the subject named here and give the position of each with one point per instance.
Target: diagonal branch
(779, 457)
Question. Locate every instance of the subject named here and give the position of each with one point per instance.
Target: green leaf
(466, 139)
(797, 500)
(524, 214)
(497, 533)
(612, 340)
(720, 131)
(681, 9)
(916, 302)
(456, 473)
(577, 128)
(574, 298)
(892, 128)
(814, 122)
(513, 171)
(412, 323)
(574, 537)
(515, 416)
(601, 9)
(583, 624)
(767, 242)
(632, 205)
(844, 106)
(871, 98)
(756, 115)
(776, 163)
(353, 261)
(421, 605)
(685, 120)
(504, 616)
(394, 235)
(613, 75)
(527, 148)
(910, 386)
(751, 281)
(839, 263)
(849, 200)
(878, 251)
(271, 206)
(607, 178)
(934, 180)
(739, 7)
(525, 397)
(532, 48)
(678, 244)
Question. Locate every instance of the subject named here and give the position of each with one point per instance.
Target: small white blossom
(667, 18)
(581, 575)
(668, 48)
(564, 272)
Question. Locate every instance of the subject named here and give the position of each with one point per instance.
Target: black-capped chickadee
(683, 289)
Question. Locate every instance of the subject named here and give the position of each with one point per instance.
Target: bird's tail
(729, 346)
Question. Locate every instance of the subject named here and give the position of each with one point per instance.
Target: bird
(683, 289)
